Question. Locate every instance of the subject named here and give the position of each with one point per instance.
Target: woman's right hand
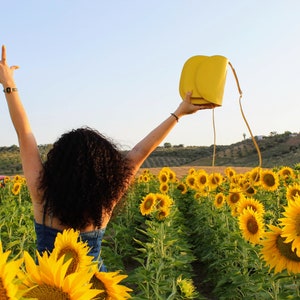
(186, 107)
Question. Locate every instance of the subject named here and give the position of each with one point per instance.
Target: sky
(115, 66)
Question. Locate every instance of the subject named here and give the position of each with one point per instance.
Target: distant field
(182, 171)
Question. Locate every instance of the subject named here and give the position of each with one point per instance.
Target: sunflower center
(163, 178)
(295, 193)
(253, 207)
(252, 225)
(162, 215)
(99, 285)
(255, 176)
(234, 198)
(286, 173)
(47, 292)
(202, 180)
(215, 180)
(180, 187)
(250, 190)
(220, 200)
(285, 249)
(269, 180)
(161, 203)
(297, 224)
(191, 181)
(3, 293)
(70, 253)
(164, 187)
(148, 203)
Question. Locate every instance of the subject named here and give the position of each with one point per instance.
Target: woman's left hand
(6, 72)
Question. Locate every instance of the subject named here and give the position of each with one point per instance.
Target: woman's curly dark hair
(83, 175)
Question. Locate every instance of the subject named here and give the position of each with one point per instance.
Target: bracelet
(9, 90)
(177, 119)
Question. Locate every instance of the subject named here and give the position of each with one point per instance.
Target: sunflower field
(201, 236)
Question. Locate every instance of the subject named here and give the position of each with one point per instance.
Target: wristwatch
(9, 90)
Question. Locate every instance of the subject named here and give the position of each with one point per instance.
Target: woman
(84, 176)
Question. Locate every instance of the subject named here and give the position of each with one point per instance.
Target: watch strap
(9, 90)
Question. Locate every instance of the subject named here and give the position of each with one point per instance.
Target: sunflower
(6, 179)
(146, 172)
(286, 173)
(108, 282)
(140, 178)
(252, 226)
(163, 201)
(269, 180)
(163, 177)
(171, 175)
(18, 178)
(248, 189)
(148, 204)
(49, 280)
(234, 211)
(201, 180)
(198, 196)
(190, 180)
(164, 187)
(230, 172)
(242, 181)
(187, 288)
(252, 203)
(292, 192)
(67, 244)
(162, 213)
(219, 200)
(182, 188)
(191, 171)
(146, 178)
(255, 176)
(277, 253)
(234, 197)
(291, 224)
(235, 179)
(8, 274)
(166, 174)
(16, 188)
(215, 179)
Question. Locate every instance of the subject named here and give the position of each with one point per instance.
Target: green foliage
(10, 162)
(16, 221)
(197, 247)
(154, 253)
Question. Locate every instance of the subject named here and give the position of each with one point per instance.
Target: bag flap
(206, 77)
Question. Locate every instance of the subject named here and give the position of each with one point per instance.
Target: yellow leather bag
(206, 77)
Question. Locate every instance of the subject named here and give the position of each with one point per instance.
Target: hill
(276, 150)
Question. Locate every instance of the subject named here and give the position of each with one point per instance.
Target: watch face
(8, 90)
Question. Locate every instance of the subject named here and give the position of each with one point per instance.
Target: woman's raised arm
(149, 143)
(30, 157)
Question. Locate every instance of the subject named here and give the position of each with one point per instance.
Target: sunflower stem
(278, 206)
(296, 283)
(275, 285)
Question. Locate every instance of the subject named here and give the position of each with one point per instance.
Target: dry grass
(182, 171)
